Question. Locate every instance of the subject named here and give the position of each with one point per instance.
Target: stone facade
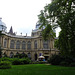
(34, 45)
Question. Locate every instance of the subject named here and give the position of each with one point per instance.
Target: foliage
(26, 60)
(72, 64)
(61, 60)
(55, 59)
(63, 63)
(21, 61)
(61, 13)
(5, 65)
(56, 44)
(17, 62)
(23, 55)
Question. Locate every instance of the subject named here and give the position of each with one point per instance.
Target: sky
(22, 15)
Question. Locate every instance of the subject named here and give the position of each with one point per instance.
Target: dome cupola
(2, 26)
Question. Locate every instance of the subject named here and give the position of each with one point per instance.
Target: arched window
(11, 55)
(23, 45)
(5, 43)
(17, 53)
(35, 56)
(29, 45)
(12, 44)
(35, 44)
(45, 44)
(18, 44)
(29, 55)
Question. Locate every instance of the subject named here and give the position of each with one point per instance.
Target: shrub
(17, 62)
(68, 59)
(64, 63)
(72, 64)
(55, 60)
(61, 60)
(26, 60)
(5, 65)
(20, 55)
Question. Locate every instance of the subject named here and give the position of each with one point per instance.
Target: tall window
(5, 43)
(11, 55)
(29, 55)
(23, 45)
(35, 44)
(18, 44)
(12, 44)
(45, 44)
(29, 45)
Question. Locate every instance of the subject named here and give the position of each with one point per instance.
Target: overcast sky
(21, 14)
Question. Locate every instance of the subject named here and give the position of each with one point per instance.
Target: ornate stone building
(34, 45)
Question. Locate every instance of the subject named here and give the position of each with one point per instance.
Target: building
(34, 45)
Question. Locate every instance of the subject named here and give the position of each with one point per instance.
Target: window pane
(18, 45)
(45, 44)
(35, 44)
(23, 45)
(29, 45)
(12, 44)
(5, 43)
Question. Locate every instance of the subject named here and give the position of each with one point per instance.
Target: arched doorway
(29, 55)
(11, 55)
(35, 56)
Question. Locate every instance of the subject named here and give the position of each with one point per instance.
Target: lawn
(38, 69)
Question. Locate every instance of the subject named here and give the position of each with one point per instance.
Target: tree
(61, 13)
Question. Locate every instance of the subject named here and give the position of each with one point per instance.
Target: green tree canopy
(61, 13)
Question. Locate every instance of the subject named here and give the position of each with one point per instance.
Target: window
(5, 43)
(29, 45)
(12, 44)
(18, 44)
(11, 55)
(45, 44)
(29, 55)
(23, 45)
(17, 53)
(35, 44)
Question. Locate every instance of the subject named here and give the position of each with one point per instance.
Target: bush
(63, 63)
(21, 55)
(26, 60)
(6, 59)
(55, 60)
(72, 64)
(21, 61)
(61, 60)
(17, 62)
(68, 59)
(5, 65)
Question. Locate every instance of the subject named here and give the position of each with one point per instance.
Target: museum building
(34, 45)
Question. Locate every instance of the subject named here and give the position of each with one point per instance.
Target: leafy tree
(61, 13)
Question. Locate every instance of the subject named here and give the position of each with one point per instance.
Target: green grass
(38, 69)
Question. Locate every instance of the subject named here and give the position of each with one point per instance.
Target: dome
(2, 25)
